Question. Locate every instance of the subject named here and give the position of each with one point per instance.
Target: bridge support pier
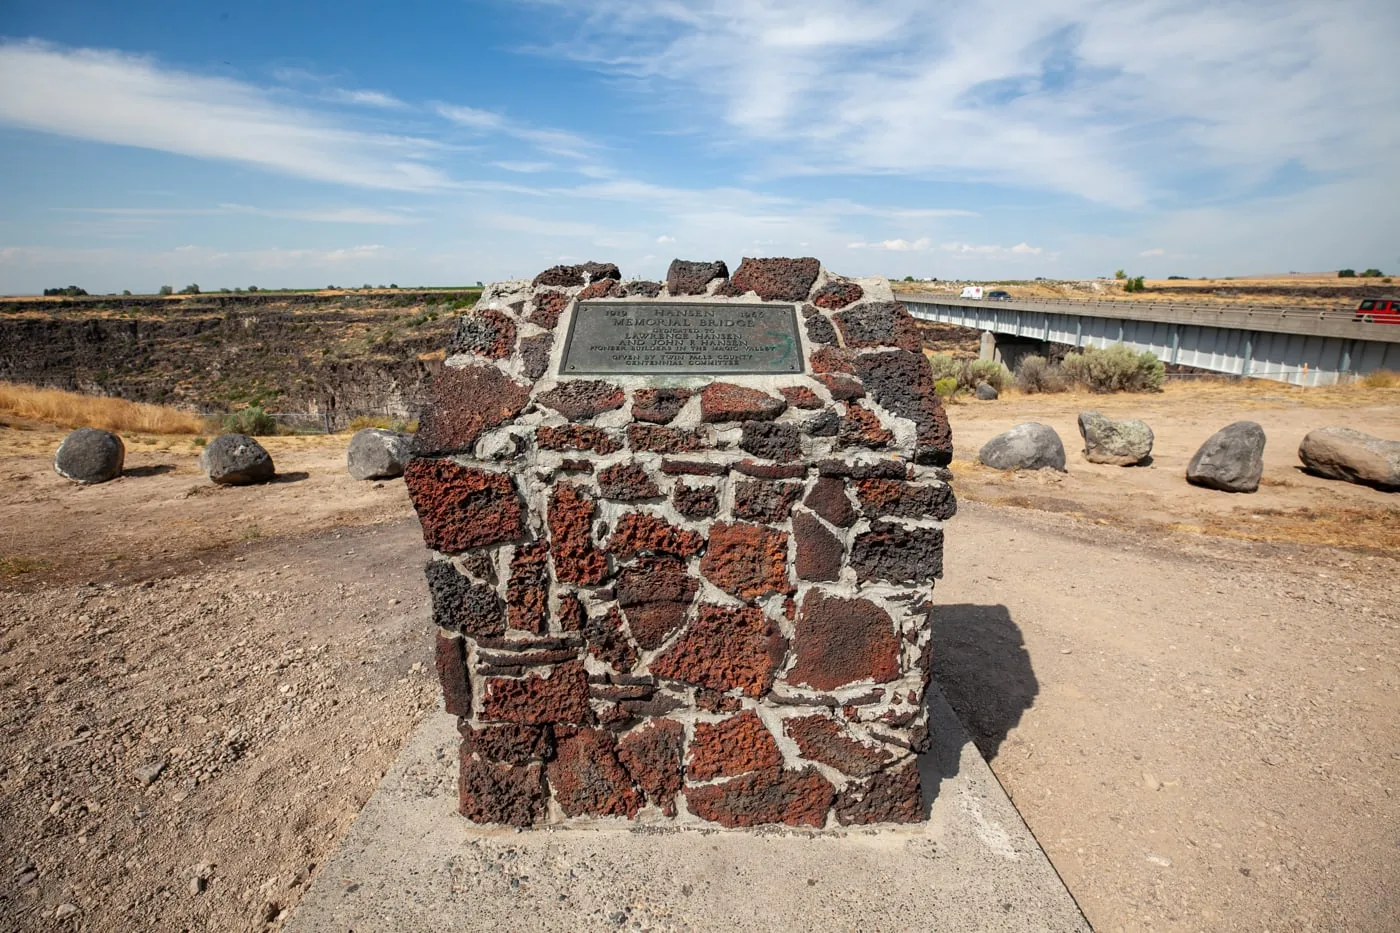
(1009, 350)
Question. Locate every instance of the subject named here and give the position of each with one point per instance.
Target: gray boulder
(1344, 453)
(1232, 459)
(236, 460)
(1122, 443)
(986, 392)
(375, 453)
(1029, 446)
(90, 455)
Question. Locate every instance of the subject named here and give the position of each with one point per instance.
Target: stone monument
(685, 540)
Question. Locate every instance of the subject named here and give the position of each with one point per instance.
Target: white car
(971, 291)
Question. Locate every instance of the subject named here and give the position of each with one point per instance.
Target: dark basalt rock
(686, 277)
(90, 455)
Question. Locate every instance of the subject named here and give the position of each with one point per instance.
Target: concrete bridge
(1294, 345)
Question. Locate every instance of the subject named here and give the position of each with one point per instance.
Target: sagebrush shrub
(944, 366)
(946, 387)
(1115, 369)
(991, 372)
(252, 421)
(1036, 374)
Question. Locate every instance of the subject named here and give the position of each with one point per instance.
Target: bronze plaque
(681, 337)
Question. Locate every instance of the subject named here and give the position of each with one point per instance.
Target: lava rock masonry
(682, 599)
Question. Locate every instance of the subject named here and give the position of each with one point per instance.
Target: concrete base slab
(410, 863)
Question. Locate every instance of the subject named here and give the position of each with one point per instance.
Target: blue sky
(298, 144)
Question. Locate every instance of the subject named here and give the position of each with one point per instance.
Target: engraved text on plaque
(682, 337)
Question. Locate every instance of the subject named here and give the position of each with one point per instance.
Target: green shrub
(252, 421)
(1346, 273)
(190, 290)
(1115, 369)
(1036, 374)
(1120, 275)
(166, 290)
(1133, 284)
(1372, 274)
(946, 387)
(991, 372)
(944, 366)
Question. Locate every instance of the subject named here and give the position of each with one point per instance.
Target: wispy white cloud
(524, 168)
(365, 98)
(1153, 252)
(551, 141)
(925, 244)
(665, 239)
(337, 215)
(131, 101)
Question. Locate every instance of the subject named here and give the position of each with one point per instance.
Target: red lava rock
(839, 642)
(902, 383)
(461, 508)
(575, 465)
(819, 552)
(534, 700)
(797, 798)
(842, 388)
(464, 403)
(777, 279)
(560, 277)
(581, 399)
(734, 746)
(652, 756)
(608, 643)
(693, 468)
(880, 497)
(642, 532)
(881, 324)
(627, 482)
(512, 795)
(655, 594)
(692, 278)
(829, 500)
(660, 440)
(834, 295)
(576, 437)
(659, 406)
(600, 270)
(571, 613)
(725, 648)
(534, 354)
(889, 551)
(461, 604)
(587, 779)
(801, 397)
(695, 501)
(451, 661)
(831, 360)
(892, 796)
(771, 441)
(745, 560)
(764, 501)
(548, 307)
(822, 739)
(527, 593)
(712, 701)
(511, 743)
(485, 332)
(724, 401)
(641, 288)
(603, 288)
(770, 470)
(891, 468)
(861, 428)
(576, 558)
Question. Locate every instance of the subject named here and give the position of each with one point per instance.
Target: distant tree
(1346, 273)
(68, 291)
(252, 288)
(1173, 278)
(126, 292)
(190, 290)
(908, 278)
(166, 290)
(392, 285)
(1132, 285)
(225, 291)
(1120, 275)
(1368, 274)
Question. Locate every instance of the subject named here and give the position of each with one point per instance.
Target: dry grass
(1372, 529)
(72, 410)
(1381, 379)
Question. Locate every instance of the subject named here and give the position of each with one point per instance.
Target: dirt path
(1204, 734)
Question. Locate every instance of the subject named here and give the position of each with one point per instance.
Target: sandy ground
(1200, 729)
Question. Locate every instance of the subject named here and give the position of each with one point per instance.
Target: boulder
(1231, 459)
(1344, 453)
(236, 460)
(1029, 446)
(1122, 443)
(986, 392)
(375, 453)
(90, 455)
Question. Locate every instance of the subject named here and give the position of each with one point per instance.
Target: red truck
(1379, 311)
